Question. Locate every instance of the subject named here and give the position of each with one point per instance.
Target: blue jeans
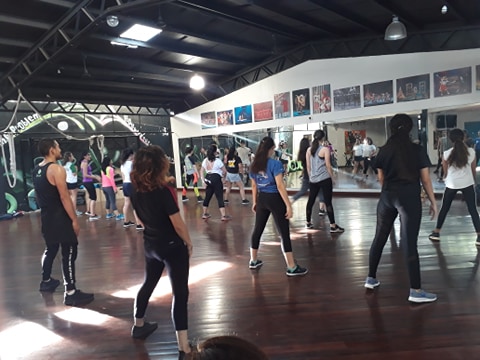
(110, 201)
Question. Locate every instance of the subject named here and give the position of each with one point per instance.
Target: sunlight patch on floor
(83, 316)
(197, 274)
(25, 338)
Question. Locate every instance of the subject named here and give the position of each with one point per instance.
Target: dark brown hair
(228, 348)
(459, 155)
(261, 156)
(45, 145)
(150, 169)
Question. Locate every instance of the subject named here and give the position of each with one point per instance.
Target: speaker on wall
(446, 121)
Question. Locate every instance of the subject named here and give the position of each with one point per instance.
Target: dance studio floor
(327, 314)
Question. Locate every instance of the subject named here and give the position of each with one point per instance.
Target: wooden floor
(325, 315)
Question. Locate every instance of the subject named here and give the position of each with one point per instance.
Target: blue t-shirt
(266, 180)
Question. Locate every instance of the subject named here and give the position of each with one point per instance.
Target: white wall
(339, 73)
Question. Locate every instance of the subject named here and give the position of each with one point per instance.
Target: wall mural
(76, 136)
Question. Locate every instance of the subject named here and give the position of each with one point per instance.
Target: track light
(197, 82)
(112, 21)
(396, 30)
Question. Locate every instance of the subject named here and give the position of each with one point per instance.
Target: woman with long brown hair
(166, 240)
(270, 197)
(459, 166)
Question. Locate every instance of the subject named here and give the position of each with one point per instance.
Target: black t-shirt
(401, 164)
(233, 165)
(154, 208)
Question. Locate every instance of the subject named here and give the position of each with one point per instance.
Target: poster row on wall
(301, 102)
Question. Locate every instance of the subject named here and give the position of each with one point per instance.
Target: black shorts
(358, 158)
(72, 186)
(90, 187)
(127, 189)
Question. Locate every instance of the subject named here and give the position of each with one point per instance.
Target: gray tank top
(318, 169)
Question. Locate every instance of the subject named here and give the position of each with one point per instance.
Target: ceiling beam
(225, 12)
(9, 19)
(344, 12)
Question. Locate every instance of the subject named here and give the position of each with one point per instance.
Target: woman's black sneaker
(142, 332)
(78, 298)
(49, 286)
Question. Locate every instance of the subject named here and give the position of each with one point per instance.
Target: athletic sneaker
(139, 227)
(255, 264)
(49, 286)
(93, 217)
(322, 212)
(206, 216)
(184, 198)
(336, 229)
(226, 218)
(371, 283)
(199, 199)
(142, 332)
(88, 213)
(78, 212)
(421, 296)
(120, 217)
(226, 201)
(478, 241)
(109, 216)
(128, 224)
(308, 225)
(78, 298)
(297, 271)
(434, 236)
(245, 202)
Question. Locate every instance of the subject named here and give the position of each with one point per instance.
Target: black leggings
(406, 203)
(271, 203)
(369, 162)
(327, 187)
(214, 187)
(69, 255)
(469, 197)
(176, 261)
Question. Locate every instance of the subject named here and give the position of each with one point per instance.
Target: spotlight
(62, 126)
(396, 30)
(444, 9)
(112, 20)
(197, 82)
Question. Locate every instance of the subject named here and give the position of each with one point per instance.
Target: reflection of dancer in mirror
(71, 169)
(87, 179)
(234, 168)
(284, 156)
(190, 175)
(357, 156)
(244, 153)
(126, 169)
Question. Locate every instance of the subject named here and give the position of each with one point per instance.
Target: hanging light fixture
(396, 30)
(197, 82)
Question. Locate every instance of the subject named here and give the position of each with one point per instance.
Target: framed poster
(301, 102)
(379, 93)
(413, 88)
(225, 118)
(452, 82)
(208, 120)
(263, 111)
(322, 99)
(282, 105)
(477, 71)
(243, 114)
(346, 98)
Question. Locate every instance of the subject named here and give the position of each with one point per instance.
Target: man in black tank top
(59, 223)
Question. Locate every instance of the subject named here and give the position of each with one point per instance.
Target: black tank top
(47, 194)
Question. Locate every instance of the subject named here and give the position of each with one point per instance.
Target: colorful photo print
(243, 114)
(452, 82)
(379, 93)
(225, 117)
(208, 120)
(322, 99)
(413, 88)
(347, 98)
(263, 111)
(301, 102)
(478, 76)
(282, 105)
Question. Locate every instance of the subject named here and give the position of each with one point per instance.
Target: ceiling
(60, 50)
